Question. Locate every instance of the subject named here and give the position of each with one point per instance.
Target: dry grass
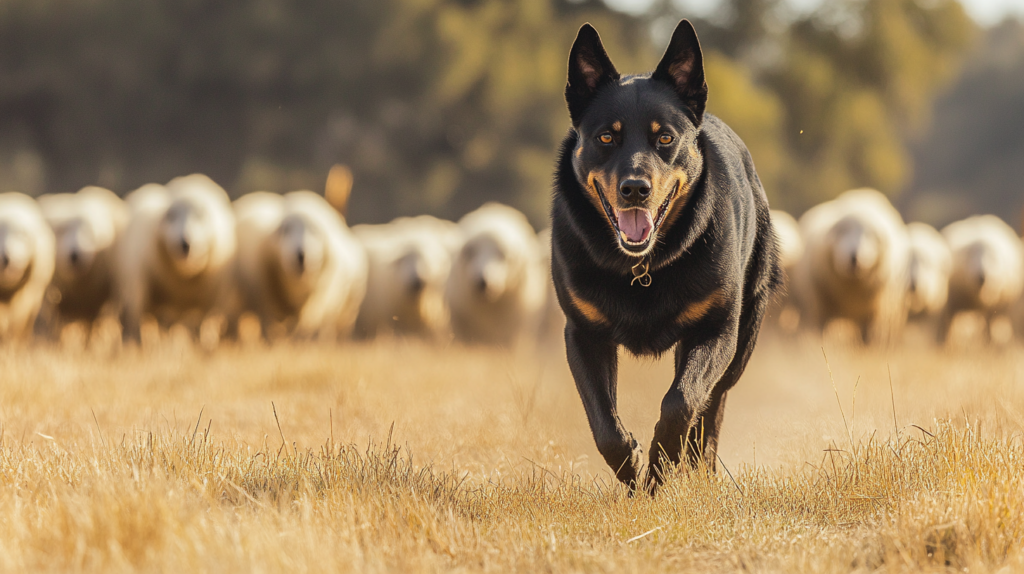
(404, 457)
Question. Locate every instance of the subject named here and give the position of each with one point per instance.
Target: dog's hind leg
(593, 360)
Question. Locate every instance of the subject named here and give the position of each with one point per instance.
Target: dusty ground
(402, 456)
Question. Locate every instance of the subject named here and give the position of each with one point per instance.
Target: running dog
(661, 238)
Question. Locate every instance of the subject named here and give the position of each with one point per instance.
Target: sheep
(176, 256)
(497, 289)
(854, 265)
(930, 265)
(410, 259)
(26, 265)
(299, 267)
(988, 271)
(784, 311)
(552, 324)
(86, 226)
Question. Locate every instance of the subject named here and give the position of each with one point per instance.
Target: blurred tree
(440, 105)
(972, 158)
(857, 80)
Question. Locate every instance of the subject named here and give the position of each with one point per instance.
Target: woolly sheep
(300, 269)
(988, 270)
(86, 226)
(175, 257)
(497, 289)
(930, 265)
(552, 325)
(410, 259)
(784, 312)
(854, 265)
(26, 264)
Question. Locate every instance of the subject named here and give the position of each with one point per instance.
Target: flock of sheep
(185, 254)
(854, 258)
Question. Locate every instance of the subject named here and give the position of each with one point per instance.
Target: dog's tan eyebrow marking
(696, 311)
(617, 126)
(579, 151)
(655, 127)
(587, 309)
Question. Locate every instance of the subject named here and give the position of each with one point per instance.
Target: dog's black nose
(632, 188)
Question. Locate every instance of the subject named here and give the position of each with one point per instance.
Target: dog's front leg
(691, 412)
(593, 360)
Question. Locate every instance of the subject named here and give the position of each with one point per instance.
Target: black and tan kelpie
(660, 238)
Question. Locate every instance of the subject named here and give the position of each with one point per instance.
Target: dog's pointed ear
(682, 67)
(590, 68)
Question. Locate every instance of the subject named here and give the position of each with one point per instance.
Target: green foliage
(439, 105)
(857, 82)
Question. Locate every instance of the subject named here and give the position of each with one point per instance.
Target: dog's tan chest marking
(696, 311)
(587, 309)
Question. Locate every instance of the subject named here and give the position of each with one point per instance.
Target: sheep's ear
(682, 67)
(339, 188)
(589, 70)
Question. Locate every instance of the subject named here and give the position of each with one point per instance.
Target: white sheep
(175, 257)
(299, 267)
(784, 311)
(410, 260)
(930, 265)
(854, 265)
(86, 226)
(988, 270)
(552, 324)
(497, 288)
(26, 265)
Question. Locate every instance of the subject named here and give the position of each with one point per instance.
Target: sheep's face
(76, 251)
(856, 249)
(413, 272)
(486, 267)
(928, 284)
(16, 252)
(980, 267)
(188, 237)
(302, 251)
(420, 274)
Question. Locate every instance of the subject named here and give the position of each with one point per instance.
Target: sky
(985, 12)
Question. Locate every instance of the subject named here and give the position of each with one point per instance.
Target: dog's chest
(650, 320)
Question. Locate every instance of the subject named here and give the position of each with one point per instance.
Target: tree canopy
(440, 105)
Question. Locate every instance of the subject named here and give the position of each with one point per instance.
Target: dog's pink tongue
(635, 224)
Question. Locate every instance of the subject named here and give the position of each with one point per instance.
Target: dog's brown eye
(605, 138)
(665, 139)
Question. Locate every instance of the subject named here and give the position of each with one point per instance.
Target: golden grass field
(399, 456)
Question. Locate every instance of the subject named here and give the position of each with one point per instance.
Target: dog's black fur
(701, 277)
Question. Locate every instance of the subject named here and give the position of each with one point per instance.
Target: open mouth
(635, 227)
